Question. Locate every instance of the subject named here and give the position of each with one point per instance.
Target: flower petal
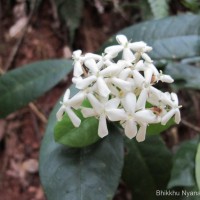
(102, 129)
(102, 87)
(124, 73)
(146, 116)
(141, 101)
(155, 91)
(129, 103)
(88, 112)
(77, 99)
(76, 54)
(148, 75)
(110, 70)
(112, 103)
(122, 39)
(166, 79)
(140, 137)
(128, 55)
(59, 114)
(114, 50)
(130, 129)
(124, 85)
(98, 107)
(93, 56)
(78, 71)
(82, 84)
(177, 116)
(166, 99)
(168, 116)
(66, 96)
(137, 46)
(73, 117)
(140, 66)
(139, 79)
(146, 57)
(174, 98)
(91, 65)
(116, 114)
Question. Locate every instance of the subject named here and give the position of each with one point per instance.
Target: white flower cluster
(120, 91)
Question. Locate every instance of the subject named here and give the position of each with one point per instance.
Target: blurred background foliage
(32, 30)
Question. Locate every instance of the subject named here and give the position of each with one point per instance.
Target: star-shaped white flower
(104, 109)
(174, 109)
(123, 46)
(66, 107)
(135, 117)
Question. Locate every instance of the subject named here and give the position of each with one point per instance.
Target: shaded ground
(21, 132)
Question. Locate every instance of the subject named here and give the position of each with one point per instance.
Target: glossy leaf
(23, 85)
(154, 129)
(186, 76)
(197, 167)
(183, 171)
(172, 38)
(84, 135)
(147, 167)
(80, 173)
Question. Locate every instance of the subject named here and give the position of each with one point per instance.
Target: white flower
(102, 110)
(120, 89)
(123, 46)
(164, 78)
(173, 111)
(95, 78)
(134, 117)
(66, 107)
(78, 62)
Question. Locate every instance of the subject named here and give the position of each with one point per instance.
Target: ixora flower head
(120, 91)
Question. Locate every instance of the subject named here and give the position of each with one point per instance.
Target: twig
(19, 42)
(14, 51)
(195, 128)
(39, 114)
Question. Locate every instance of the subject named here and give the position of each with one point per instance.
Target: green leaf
(183, 166)
(70, 12)
(197, 167)
(172, 38)
(154, 129)
(147, 167)
(86, 134)
(160, 8)
(23, 85)
(186, 76)
(80, 173)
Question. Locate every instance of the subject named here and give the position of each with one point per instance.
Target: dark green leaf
(70, 12)
(184, 165)
(80, 174)
(197, 167)
(86, 134)
(171, 38)
(186, 76)
(22, 85)
(147, 167)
